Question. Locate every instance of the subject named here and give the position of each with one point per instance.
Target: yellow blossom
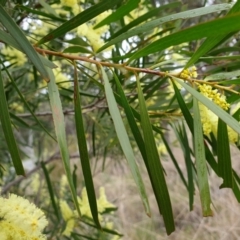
(42, 28)
(35, 183)
(94, 35)
(61, 78)
(21, 219)
(84, 204)
(68, 216)
(136, 13)
(63, 186)
(109, 225)
(162, 149)
(189, 73)
(17, 107)
(69, 3)
(208, 118)
(116, 237)
(102, 202)
(14, 56)
(213, 95)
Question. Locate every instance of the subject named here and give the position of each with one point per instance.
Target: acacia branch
(132, 69)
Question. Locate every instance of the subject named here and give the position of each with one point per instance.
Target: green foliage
(125, 70)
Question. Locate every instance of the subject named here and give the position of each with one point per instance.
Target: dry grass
(135, 225)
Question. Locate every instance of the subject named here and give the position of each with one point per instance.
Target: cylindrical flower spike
(20, 219)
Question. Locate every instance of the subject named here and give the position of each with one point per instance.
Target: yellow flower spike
(14, 56)
(69, 3)
(208, 118)
(21, 219)
(94, 35)
(189, 73)
(68, 216)
(63, 186)
(102, 202)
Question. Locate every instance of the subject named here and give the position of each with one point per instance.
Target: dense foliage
(108, 78)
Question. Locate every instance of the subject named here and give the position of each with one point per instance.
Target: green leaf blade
(119, 13)
(212, 41)
(59, 124)
(124, 141)
(201, 162)
(50, 190)
(144, 17)
(23, 42)
(160, 189)
(8, 132)
(146, 27)
(224, 156)
(216, 27)
(83, 151)
(79, 19)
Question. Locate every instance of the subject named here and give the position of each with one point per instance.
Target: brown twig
(129, 68)
(16, 181)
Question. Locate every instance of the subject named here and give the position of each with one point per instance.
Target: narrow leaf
(188, 162)
(23, 42)
(76, 49)
(187, 115)
(189, 120)
(8, 132)
(224, 156)
(175, 162)
(79, 19)
(156, 169)
(212, 41)
(8, 39)
(216, 27)
(48, 8)
(140, 142)
(58, 119)
(124, 140)
(82, 145)
(201, 164)
(39, 13)
(144, 17)
(50, 190)
(149, 26)
(132, 123)
(26, 104)
(236, 182)
(222, 75)
(123, 10)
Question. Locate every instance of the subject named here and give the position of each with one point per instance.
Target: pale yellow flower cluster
(214, 95)
(73, 4)
(189, 73)
(42, 28)
(17, 107)
(69, 3)
(70, 215)
(161, 149)
(102, 201)
(20, 219)
(94, 36)
(14, 56)
(63, 186)
(136, 13)
(61, 78)
(208, 118)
